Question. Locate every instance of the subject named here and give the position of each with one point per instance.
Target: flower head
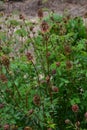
(21, 17)
(53, 71)
(49, 129)
(31, 112)
(29, 56)
(68, 65)
(27, 128)
(57, 64)
(44, 27)
(85, 115)
(75, 108)
(55, 89)
(67, 121)
(5, 61)
(48, 79)
(36, 100)
(40, 13)
(6, 127)
(67, 49)
(1, 106)
(3, 78)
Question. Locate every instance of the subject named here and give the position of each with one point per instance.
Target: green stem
(36, 73)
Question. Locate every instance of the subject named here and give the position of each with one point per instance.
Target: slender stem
(17, 91)
(36, 73)
(48, 70)
(26, 98)
(47, 60)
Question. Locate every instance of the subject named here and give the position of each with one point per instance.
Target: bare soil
(30, 7)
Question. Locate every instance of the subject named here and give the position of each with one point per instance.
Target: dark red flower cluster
(5, 61)
(75, 108)
(21, 17)
(49, 129)
(58, 64)
(44, 27)
(6, 127)
(1, 106)
(48, 79)
(67, 49)
(29, 56)
(53, 71)
(3, 78)
(36, 100)
(40, 13)
(31, 112)
(55, 89)
(85, 115)
(68, 65)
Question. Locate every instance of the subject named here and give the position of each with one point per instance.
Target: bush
(43, 74)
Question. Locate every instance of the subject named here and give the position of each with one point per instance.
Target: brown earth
(30, 7)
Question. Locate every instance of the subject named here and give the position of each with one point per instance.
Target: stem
(36, 73)
(17, 91)
(26, 98)
(48, 70)
(47, 60)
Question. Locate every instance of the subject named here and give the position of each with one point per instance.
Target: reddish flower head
(55, 89)
(6, 127)
(1, 106)
(85, 115)
(49, 129)
(48, 54)
(57, 64)
(68, 65)
(40, 13)
(44, 27)
(29, 56)
(27, 128)
(67, 50)
(53, 71)
(75, 108)
(36, 100)
(21, 17)
(5, 61)
(31, 112)
(48, 79)
(3, 78)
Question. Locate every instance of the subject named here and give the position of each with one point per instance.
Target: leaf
(14, 22)
(75, 101)
(21, 32)
(16, 82)
(85, 95)
(64, 80)
(80, 46)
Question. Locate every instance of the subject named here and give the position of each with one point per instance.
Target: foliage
(43, 73)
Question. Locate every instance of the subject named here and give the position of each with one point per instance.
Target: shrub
(43, 74)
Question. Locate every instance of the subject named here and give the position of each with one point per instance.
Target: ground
(30, 7)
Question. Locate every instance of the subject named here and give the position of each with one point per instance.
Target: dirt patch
(30, 7)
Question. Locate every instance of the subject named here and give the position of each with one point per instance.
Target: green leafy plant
(43, 73)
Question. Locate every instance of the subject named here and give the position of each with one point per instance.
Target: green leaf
(75, 101)
(21, 32)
